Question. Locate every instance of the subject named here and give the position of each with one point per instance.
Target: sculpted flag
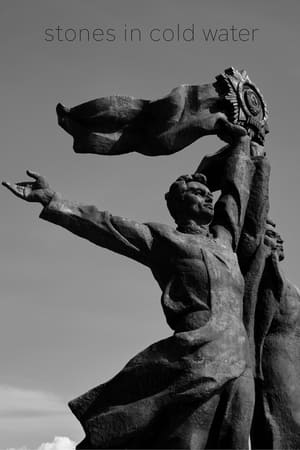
(116, 125)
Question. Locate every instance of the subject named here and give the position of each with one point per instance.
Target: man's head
(189, 198)
(273, 239)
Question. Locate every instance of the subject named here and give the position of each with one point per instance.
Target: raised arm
(120, 235)
(231, 171)
(254, 228)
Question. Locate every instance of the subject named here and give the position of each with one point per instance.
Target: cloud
(32, 416)
(24, 402)
(59, 443)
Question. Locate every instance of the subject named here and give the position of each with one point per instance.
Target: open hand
(38, 191)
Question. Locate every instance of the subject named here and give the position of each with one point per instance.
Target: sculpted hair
(177, 190)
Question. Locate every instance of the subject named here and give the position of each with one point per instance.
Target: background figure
(272, 320)
(276, 422)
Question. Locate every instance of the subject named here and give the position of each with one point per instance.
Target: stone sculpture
(115, 125)
(197, 270)
(200, 387)
(276, 422)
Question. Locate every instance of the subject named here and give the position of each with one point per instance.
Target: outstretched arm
(120, 235)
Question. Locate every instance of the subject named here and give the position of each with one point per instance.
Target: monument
(232, 312)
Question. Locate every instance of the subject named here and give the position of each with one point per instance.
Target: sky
(72, 313)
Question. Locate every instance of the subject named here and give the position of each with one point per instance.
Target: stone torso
(179, 263)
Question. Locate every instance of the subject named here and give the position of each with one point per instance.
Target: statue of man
(174, 393)
(276, 423)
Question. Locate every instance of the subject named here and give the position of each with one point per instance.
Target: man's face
(274, 240)
(279, 247)
(198, 202)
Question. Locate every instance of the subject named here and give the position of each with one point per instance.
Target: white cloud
(32, 416)
(21, 448)
(25, 401)
(59, 443)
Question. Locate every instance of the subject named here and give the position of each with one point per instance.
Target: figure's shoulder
(161, 229)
